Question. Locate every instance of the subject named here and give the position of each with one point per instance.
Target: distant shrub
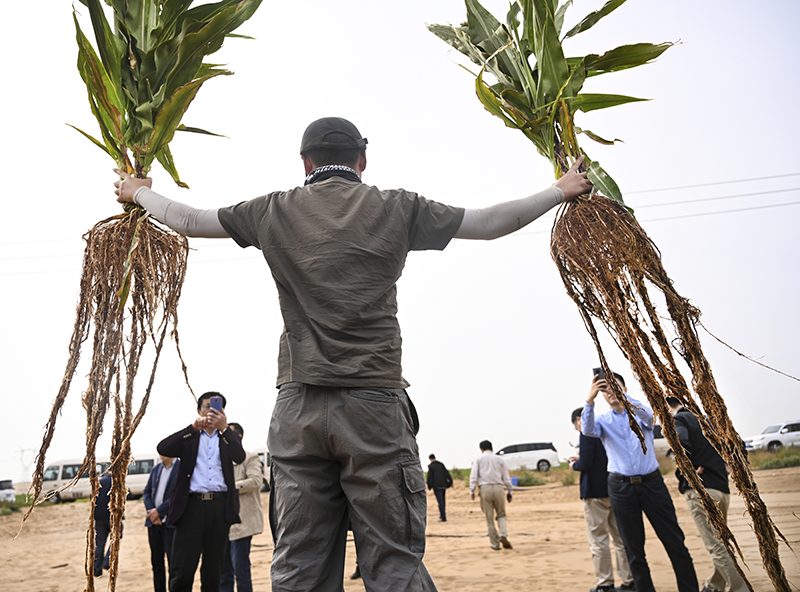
(779, 462)
(569, 478)
(460, 474)
(528, 479)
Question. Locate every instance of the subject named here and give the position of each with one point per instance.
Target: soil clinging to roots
(119, 335)
(608, 265)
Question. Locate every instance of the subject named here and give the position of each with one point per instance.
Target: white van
(60, 473)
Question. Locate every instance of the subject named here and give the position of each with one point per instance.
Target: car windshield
(771, 429)
(6, 484)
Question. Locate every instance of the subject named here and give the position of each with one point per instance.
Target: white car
(7, 492)
(776, 437)
(530, 455)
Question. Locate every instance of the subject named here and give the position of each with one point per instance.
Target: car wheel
(56, 499)
(670, 454)
(774, 446)
(543, 466)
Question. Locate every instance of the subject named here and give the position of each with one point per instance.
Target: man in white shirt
(490, 474)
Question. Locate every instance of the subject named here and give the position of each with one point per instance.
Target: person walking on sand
(601, 526)
(343, 424)
(439, 479)
(490, 474)
(156, 496)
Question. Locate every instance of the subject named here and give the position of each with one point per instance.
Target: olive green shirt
(336, 249)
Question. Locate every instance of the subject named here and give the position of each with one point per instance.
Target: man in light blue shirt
(635, 485)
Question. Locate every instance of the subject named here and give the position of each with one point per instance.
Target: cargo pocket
(413, 485)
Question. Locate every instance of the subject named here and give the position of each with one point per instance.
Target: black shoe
(356, 574)
(442, 519)
(627, 587)
(505, 543)
(603, 589)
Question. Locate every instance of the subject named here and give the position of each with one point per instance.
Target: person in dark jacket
(601, 526)
(156, 502)
(439, 479)
(714, 474)
(204, 502)
(102, 526)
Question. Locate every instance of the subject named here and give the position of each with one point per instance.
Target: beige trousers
(493, 504)
(602, 529)
(725, 576)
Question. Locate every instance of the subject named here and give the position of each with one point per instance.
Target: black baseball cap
(332, 133)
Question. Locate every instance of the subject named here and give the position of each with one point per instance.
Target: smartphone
(216, 403)
(598, 373)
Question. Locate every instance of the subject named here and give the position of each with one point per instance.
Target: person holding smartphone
(205, 502)
(635, 484)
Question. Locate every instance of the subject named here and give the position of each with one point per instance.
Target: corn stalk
(607, 262)
(141, 74)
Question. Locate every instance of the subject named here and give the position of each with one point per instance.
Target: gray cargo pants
(340, 453)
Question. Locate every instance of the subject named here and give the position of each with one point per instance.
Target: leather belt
(635, 478)
(211, 495)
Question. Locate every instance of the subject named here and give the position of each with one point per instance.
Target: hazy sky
(493, 347)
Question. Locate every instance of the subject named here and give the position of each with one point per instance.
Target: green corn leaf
(110, 47)
(490, 101)
(165, 158)
(551, 63)
(195, 46)
(591, 102)
(96, 142)
(596, 138)
(604, 183)
(591, 19)
(197, 130)
(169, 117)
(110, 109)
(624, 57)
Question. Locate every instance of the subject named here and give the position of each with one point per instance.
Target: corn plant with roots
(143, 71)
(608, 264)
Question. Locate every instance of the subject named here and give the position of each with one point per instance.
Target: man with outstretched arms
(343, 431)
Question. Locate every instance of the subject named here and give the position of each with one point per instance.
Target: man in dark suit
(204, 502)
(601, 526)
(156, 501)
(102, 526)
(439, 479)
(714, 475)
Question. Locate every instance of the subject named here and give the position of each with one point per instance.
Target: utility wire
(688, 201)
(714, 183)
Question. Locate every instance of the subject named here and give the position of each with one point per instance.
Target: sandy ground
(546, 527)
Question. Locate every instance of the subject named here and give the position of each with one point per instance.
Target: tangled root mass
(118, 336)
(608, 265)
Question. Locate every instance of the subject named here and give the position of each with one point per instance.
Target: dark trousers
(439, 493)
(101, 557)
(202, 530)
(160, 539)
(237, 566)
(628, 501)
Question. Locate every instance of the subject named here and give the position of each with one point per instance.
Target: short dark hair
(576, 414)
(432, 457)
(325, 156)
(674, 402)
(208, 395)
(619, 377)
(236, 427)
(485, 445)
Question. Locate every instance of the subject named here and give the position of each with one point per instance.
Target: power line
(688, 201)
(714, 183)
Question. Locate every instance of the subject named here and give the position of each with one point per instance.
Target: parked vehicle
(776, 437)
(530, 455)
(61, 472)
(7, 491)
